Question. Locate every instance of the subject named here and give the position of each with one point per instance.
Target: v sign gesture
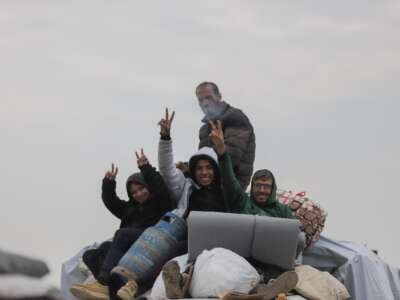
(165, 124)
(141, 159)
(217, 137)
(112, 173)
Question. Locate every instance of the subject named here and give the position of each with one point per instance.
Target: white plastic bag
(220, 270)
(72, 272)
(20, 286)
(158, 290)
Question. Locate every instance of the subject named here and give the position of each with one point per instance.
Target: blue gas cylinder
(153, 248)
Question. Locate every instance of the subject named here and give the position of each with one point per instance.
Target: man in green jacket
(262, 199)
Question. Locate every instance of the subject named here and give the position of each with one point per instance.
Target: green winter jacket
(238, 201)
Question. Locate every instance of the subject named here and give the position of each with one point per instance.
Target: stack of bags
(22, 278)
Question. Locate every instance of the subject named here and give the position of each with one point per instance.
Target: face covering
(212, 109)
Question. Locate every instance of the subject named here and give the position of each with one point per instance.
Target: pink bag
(311, 215)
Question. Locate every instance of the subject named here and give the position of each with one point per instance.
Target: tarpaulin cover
(365, 275)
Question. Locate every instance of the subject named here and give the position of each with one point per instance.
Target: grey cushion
(208, 230)
(269, 240)
(11, 263)
(275, 241)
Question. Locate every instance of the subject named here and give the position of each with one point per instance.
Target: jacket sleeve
(287, 212)
(235, 197)
(173, 177)
(114, 204)
(236, 142)
(157, 186)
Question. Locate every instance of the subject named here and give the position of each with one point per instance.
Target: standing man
(239, 135)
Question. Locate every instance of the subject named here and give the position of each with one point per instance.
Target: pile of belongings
(221, 273)
(22, 278)
(325, 269)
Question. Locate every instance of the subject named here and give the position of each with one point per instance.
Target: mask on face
(212, 109)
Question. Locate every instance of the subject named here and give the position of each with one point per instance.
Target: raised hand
(141, 159)
(165, 124)
(111, 174)
(183, 166)
(217, 137)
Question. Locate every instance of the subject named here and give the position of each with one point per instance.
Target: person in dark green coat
(262, 199)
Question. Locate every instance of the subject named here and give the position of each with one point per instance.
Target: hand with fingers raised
(165, 125)
(141, 159)
(111, 174)
(217, 137)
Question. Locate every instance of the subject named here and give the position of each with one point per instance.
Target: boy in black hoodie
(148, 201)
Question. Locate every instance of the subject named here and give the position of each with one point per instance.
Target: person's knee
(90, 256)
(104, 247)
(124, 236)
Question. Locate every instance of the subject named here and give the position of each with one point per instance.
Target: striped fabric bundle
(311, 215)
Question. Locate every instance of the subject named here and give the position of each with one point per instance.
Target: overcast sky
(84, 83)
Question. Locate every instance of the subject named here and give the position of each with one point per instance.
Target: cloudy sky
(83, 84)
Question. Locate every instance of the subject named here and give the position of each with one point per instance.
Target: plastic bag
(73, 271)
(220, 270)
(21, 286)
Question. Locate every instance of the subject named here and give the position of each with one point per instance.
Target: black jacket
(240, 141)
(133, 214)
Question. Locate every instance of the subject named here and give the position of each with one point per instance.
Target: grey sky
(83, 84)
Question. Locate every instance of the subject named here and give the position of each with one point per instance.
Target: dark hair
(262, 174)
(213, 85)
(195, 160)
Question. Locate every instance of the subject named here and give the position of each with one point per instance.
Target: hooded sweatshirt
(132, 213)
(185, 191)
(209, 198)
(240, 202)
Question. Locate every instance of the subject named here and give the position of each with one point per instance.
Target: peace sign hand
(112, 173)
(141, 159)
(217, 137)
(165, 124)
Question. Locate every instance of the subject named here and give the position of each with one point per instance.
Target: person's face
(262, 189)
(139, 192)
(204, 173)
(207, 96)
